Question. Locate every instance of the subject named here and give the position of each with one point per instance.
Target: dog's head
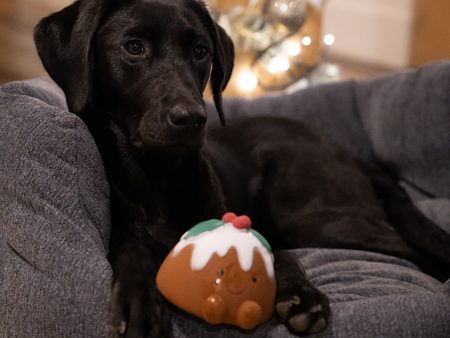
(143, 63)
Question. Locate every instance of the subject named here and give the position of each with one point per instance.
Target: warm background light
(306, 41)
(246, 81)
(277, 42)
(329, 39)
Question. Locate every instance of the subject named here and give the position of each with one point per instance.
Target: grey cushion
(372, 295)
(401, 120)
(54, 275)
(54, 224)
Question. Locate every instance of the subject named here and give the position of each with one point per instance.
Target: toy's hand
(214, 309)
(249, 315)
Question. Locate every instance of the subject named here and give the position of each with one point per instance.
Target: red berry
(242, 222)
(228, 217)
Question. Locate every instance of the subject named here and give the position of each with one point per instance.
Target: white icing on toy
(219, 241)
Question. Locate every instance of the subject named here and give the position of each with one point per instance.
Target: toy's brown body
(221, 292)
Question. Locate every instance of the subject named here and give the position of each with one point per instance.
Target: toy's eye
(220, 272)
(201, 52)
(254, 279)
(135, 47)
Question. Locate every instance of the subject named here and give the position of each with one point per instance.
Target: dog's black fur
(135, 71)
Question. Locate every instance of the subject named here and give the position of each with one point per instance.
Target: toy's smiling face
(222, 278)
(229, 278)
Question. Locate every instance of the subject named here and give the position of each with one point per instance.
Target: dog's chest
(170, 218)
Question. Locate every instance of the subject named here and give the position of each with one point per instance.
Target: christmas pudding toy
(221, 271)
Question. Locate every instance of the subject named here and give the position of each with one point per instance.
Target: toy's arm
(249, 315)
(214, 309)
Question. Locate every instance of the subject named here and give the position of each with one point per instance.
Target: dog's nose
(187, 118)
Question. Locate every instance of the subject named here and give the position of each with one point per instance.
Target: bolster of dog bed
(54, 221)
(401, 120)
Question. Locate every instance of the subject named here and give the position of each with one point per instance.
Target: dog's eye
(135, 47)
(200, 52)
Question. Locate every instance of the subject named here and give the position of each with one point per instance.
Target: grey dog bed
(54, 219)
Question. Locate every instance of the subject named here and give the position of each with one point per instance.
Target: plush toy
(221, 271)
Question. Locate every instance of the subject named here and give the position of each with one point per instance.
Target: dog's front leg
(137, 308)
(298, 305)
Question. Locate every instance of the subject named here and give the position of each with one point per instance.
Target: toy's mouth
(236, 291)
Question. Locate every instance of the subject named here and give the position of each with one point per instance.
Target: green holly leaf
(202, 227)
(261, 239)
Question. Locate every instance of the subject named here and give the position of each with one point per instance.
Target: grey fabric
(54, 275)
(446, 288)
(407, 119)
(401, 120)
(332, 108)
(54, 224)
(372, 295)
(45, 91)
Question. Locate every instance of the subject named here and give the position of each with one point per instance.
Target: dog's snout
(187, 118)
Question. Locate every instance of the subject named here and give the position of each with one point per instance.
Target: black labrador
(135, 72)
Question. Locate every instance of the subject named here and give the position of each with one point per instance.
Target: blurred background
(281, 44)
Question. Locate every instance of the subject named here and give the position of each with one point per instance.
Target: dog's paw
(303, 309)
(138, 312)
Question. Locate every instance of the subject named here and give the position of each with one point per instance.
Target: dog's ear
(223, 61)
(63, 42)
(223, 58)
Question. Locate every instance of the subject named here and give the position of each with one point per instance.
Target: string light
(329, 39)
(332, 71)
(278, 64)
(284, 7)
(307, 41)
(247, 81)
(293, 48)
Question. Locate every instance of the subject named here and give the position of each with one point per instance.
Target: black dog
(135, 71)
